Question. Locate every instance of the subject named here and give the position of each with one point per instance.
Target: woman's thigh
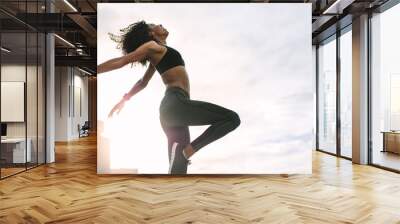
(182, 111)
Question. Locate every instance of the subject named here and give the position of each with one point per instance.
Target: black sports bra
(170, 59)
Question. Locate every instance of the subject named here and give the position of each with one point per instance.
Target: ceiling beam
(85, 25)
(337, 6)
(83, 61)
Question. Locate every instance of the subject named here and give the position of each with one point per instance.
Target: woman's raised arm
(109, 65)
(139, 54)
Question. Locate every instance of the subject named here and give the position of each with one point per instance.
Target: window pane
(327, 96)
(346, 93)
(386, 88)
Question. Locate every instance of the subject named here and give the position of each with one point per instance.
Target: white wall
(71, 92)
(12, 73)
(80, 84)
(61, 103)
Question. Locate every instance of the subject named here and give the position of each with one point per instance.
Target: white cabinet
(18, 149)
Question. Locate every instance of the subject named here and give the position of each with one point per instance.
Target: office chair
(84, 130)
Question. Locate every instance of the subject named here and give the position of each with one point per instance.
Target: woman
(142, 42)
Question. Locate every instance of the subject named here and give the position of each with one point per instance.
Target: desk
(391, 141)
(15, 148)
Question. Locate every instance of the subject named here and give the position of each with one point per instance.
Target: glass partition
(32, 86)
(13, 94)
(22, 90)
(327, 95)
(385, 89)
(346, 93)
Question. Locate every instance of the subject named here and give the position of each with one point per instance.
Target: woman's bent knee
(235, 119)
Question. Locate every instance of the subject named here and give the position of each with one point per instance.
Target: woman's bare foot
(188, 151)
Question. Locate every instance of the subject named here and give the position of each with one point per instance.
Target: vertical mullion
(60, 89)
(26, 86)
(369, 90)
(0, 94)
(317, 96)
(69, 92)
(338, 92)
(73, 92)
(37, 88)
(45, 87)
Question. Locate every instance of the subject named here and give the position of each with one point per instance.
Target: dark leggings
(178, 111)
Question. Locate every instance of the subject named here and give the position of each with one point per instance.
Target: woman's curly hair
(133, 37)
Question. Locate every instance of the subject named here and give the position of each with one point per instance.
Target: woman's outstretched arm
(139, 54)
(142, 83)
(139, 85)
(109, 65)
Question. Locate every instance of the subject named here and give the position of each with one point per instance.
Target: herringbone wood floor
(69, 191)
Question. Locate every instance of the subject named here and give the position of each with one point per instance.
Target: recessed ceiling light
(338, 6)
(70, 5)
(86, 72)
(64, 40)
(5, 49)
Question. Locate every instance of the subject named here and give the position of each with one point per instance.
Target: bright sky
(253, 58)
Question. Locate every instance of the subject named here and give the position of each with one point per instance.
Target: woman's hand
(117, 108)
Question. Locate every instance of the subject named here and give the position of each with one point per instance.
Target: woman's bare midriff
(176, 76)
